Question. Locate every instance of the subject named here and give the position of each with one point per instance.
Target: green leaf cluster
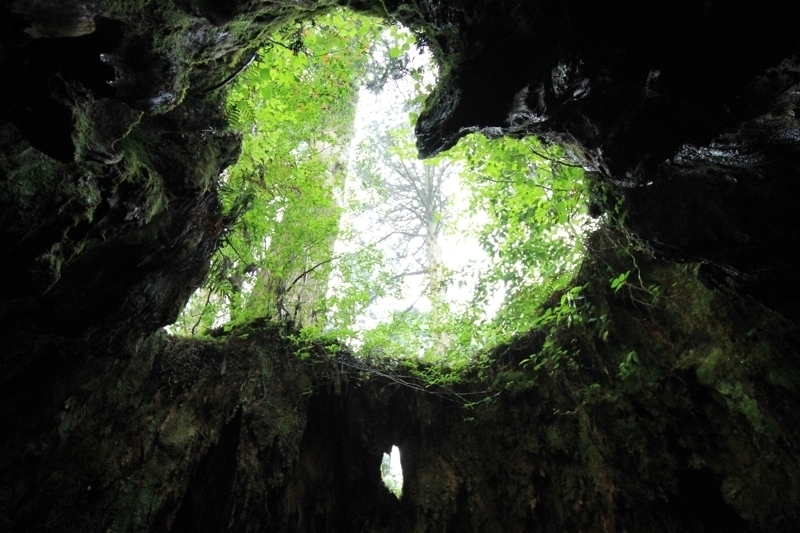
(285, 198)
(530, 201)
(295, 106)
(533, 200)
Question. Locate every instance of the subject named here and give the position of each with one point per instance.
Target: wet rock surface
(112, 139)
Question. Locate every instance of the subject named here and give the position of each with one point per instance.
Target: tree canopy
(295, 106)
(349, 238)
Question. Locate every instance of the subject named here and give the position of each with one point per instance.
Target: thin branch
(234, 249)
(232, 77)
(553, 160)
(205, 305)
(294, 51)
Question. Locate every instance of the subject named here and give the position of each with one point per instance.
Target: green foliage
(527, 210)
(630, 365)
(534, 202)
(286, 197)
(532, 239)
(619, 282)
(555, 321)
(390, 59)
(295, 106)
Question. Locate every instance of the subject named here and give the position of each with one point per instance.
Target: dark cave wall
(685, 112)
(238, 433)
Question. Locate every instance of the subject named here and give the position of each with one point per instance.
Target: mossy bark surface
(240, 433)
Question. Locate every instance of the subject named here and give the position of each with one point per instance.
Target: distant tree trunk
(294, 286)
(436, 280)
(413, 213)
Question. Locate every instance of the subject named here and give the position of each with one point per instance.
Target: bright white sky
(461, 250)
(395, 468)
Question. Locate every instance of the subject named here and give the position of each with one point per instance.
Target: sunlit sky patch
(463, 255)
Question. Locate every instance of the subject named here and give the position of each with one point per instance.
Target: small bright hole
(392, 472)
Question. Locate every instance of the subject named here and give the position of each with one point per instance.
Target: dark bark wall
(110, 146)
(241, 434)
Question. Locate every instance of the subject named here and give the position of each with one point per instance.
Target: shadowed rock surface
(112, 139)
